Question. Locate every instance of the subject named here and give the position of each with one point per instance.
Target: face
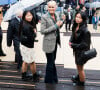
(68, 10)
(83, 8)
(95, 14)
(78, 18)
(51, 8)
(20, 15)
(28, 17)
(78, 7)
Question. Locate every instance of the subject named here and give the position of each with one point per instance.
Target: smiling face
(52, 7)
(28, 17)
(78, 18)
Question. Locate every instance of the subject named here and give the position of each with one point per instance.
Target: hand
(70, 44)
(35, 31)
(59, 23)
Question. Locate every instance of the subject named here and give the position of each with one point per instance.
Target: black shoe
(79, 83)
(36, 77)
(2, 54)
(25, 77)
(75, 79)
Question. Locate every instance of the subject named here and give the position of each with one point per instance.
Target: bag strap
(91, 41)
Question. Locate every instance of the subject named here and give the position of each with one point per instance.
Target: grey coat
(48, 29)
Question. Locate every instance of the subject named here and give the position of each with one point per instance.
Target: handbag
(89, 54)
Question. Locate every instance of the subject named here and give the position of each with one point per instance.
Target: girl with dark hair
(80, 41)
(27, 33)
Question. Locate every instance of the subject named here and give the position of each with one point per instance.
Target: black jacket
(0, 33)
(81, 39)
(27, 35)
(12, 32)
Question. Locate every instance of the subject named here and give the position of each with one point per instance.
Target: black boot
(25, 77)
(36, 77)
(79, 83)
(75, 79)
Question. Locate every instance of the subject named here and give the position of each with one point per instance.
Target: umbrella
(22, 5)
(4, 2)
(93, 5)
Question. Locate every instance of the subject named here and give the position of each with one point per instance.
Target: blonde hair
(53, 3)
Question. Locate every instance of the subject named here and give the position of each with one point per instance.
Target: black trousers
(1, 37)
(68, 22)
(1, 51)
(90, 19)
(18, 57)
(51, 73)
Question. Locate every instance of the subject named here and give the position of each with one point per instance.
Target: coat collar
(52, 18)
(82, 28)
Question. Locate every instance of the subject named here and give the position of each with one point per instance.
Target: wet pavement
(10, 77)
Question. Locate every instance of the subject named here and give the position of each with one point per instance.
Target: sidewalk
(64, 54)
(10, 78)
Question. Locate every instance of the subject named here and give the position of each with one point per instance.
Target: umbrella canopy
(4, 2)
(93, 5)
(24, 4)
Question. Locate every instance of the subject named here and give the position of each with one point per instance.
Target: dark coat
(27, 35)
(12, 32)
(0, 33)
(80, 41)
(67, 16)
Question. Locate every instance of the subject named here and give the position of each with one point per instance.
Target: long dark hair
(32, 23)
(84, 22)
(33, 19)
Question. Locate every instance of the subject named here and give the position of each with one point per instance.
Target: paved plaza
(10, 77)
(64, 54)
